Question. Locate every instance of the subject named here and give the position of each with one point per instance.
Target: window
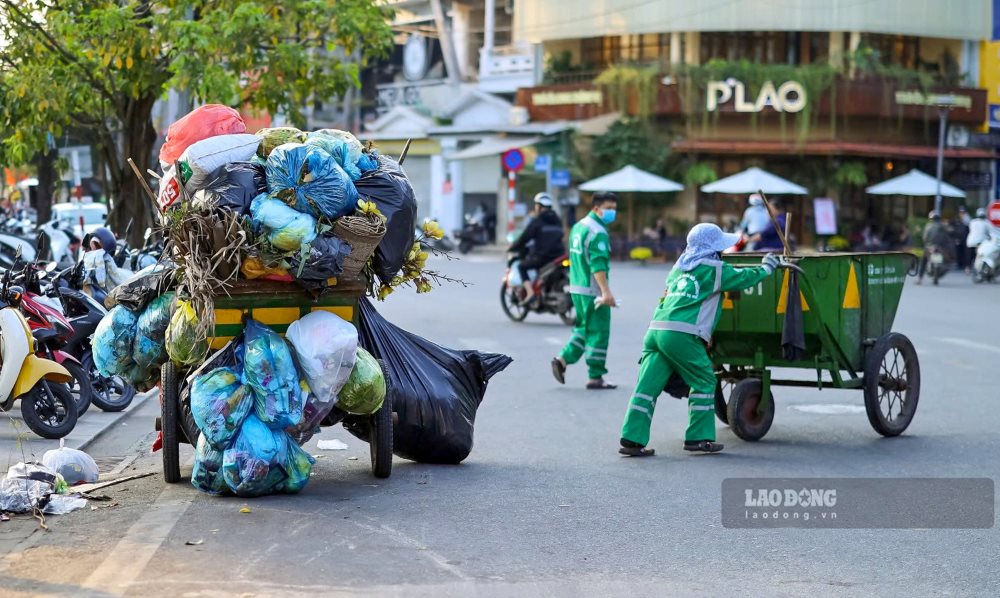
(643, 48)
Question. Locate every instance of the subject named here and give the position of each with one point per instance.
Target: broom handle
(774, 222)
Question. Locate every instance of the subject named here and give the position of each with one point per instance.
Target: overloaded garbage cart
(838, 324)
(275, 305)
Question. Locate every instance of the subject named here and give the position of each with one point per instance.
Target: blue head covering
(704, 243)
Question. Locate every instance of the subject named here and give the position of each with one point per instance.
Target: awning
(493, 147)
(827, 148)
(914, 183)
(754, 179)
(631, 179)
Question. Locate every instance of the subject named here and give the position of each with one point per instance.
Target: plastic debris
(310, 180)
(286, 228)
(364, 391)
(75, 466)
(273, 137)
(149, 350)
(203, 122)
(185, 345)
(325, 346)
(252, 465)
(219, 404)
(206, 475)
(331, 445)
(270, 373)
(113, 340)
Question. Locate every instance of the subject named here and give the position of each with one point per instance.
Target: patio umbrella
(631, 180)
(914, 183)
(754, 179)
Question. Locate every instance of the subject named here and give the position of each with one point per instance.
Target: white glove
(770, 262)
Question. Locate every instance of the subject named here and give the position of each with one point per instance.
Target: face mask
(609, 215)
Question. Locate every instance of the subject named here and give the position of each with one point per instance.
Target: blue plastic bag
(269, 371)
(286, 228)
(206, 475)
(368, 161)
(342, 151)
(310, 180)
(252, 465)
(297, 465)
(219, 404)
(113, 341)
(149, 349)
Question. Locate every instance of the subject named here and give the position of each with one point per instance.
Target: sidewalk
(31, 447)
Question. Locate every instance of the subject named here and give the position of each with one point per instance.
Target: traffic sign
(543, 162)
(560, 178)
(993, 213)
(513, 160)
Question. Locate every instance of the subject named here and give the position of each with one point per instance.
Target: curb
(139, 400)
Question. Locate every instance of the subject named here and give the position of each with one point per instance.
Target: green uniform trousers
(590, 336)
(665, 352)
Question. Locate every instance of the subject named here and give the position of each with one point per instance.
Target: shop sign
(567, 98)
(916, 98)
(790, 96)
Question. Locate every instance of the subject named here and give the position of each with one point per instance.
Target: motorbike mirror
(147, 234)
(50, 267)
(17, 254)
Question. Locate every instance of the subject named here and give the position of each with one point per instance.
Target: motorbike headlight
(565, 263)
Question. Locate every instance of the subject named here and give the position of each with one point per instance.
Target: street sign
(513, 160)
(543, 162)
(993, 213)
(560, 178)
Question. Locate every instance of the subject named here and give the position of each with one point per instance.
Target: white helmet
(756, 200)
(981, 213)
(543, 199)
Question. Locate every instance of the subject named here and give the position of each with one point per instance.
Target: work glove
(770, 263)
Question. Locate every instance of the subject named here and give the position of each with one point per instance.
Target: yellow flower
(424, 286)
(384, 291)
(432, 229)
(368, 208)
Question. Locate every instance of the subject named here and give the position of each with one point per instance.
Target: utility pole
(447, 47)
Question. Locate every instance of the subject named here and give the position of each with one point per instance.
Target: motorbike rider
(935, 235)
(542, 239)
(755, 218)
(979, 231)
(99, 261)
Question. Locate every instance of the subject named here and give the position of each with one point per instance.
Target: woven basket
(363, 234)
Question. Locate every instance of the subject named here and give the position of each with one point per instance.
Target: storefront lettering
(564, 98)
(790, 96)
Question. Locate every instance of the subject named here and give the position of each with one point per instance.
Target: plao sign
(790, 96)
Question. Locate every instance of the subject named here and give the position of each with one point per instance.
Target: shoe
(634, 449)
(559, 370)
(601, 384)
(702, 446)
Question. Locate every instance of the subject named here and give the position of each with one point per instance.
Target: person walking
(590, 257)
(755, 218)
(677, 339)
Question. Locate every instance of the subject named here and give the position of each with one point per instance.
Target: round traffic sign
(993, 213)
(513, 160)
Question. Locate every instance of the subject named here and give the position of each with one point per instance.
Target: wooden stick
(774, 222)
(406, 148)
(153, 174)
(788, 227)
(142, 181)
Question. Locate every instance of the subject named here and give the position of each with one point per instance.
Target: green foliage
(626, 84)
(628, 141)
(850, 174)
(699, 174)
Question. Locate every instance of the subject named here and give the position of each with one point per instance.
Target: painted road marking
(554, 341)
(961, 342)
(829, 409)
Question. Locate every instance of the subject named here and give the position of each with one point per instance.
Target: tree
(98, 67)
(629, 141)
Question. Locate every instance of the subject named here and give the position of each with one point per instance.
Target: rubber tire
(721, 407)
(465, 246)
(507, 309)
(873, 363)
(82, 379)
(169, 424)
(743, 401)
(62, 394)
(124, 399)
(380, 439)
(568, 316)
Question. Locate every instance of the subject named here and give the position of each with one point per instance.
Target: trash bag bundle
(185, 345)
(364, 391)
(269, 371)
(310, 180)
(208, 155)
(206, 474)
(392, 193)
(435, 391)
(141, 288)
(149, 349)
(219, 404)
(286, 228)
(344, 147)
(253, 268)
(325, 346)
(232, 187)
(313, 414)
(113, 341)
(27, 486)
(203, 122)
(368, 161)
(297, 465)
(252, 465)
(323, 261)
(273, 137)
(75, 466)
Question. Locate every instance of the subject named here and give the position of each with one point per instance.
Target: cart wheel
(744, 418)
(380, 433)
(169, 424)
(723, 388)
(892, 384)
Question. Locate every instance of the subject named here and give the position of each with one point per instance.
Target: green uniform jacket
(692, 303)
(589, 252)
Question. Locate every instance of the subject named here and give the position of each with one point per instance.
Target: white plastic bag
(27, 485)
(325, 346)
(76, 467)
(205, 156)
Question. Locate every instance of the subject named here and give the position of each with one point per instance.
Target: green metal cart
(848, 302)
(275, 305)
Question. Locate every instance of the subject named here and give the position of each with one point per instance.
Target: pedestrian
(959, 235)
(540, 243)
(755, 218)
(768, 239)
(590, 257)
(979, 231)
(678, 337)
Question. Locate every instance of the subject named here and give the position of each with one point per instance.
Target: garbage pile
(31, 487)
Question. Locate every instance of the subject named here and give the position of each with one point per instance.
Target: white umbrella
(754, 179)
(915, 183)
(631, 179)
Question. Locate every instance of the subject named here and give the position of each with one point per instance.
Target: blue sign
(513, 160)
(994, 116)
(560, 178)
(543, 162)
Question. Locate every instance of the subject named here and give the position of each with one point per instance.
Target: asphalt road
(545, 505)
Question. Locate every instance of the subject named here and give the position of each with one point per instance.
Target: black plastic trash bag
(435, 391)
(233, 186)
(324, 260)
(144, 286)
(392, 193)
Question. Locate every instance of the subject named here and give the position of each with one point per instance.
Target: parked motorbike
(47, 406)
(937, 263)
(474, 233)
(551, 294)
(984, 269)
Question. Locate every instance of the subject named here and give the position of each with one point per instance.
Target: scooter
(987, 258)
(550, 286)
(937, 263)
(474, 233)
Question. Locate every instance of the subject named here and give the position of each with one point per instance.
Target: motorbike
(984, 269)
(474, 233)
(47, 406)
(937, 263)
(551, 295)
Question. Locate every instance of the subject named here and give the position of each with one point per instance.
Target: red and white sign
(993, 213)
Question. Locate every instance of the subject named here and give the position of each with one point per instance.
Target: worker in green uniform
(590, 257)
(677, 339)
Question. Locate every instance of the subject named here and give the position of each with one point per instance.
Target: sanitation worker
(677, 339)
(590, 257)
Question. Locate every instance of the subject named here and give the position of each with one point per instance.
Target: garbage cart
(275, 305)
(845, 309)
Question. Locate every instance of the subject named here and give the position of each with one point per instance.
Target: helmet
(981, 213)
(543, 199)
(934, 215)
(756, 200)
(106, 237)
